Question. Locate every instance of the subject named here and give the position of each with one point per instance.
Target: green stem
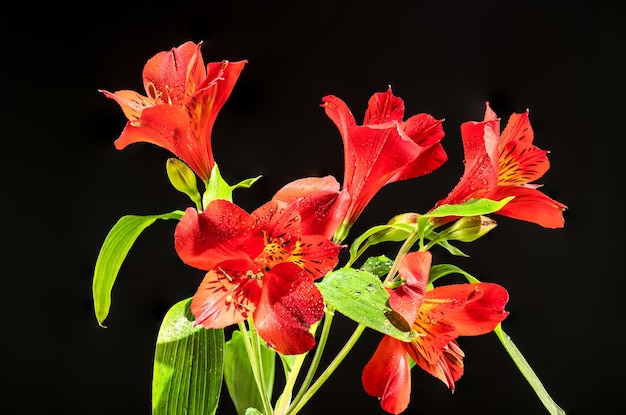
(404, 249)
(255, 362)
(328, 318)
(328, 371)
(285, 398)
(528, 372)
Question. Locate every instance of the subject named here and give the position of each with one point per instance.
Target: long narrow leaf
(188, 365)
(528, 372)
(112, 254)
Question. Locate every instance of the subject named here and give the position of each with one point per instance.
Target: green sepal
(112, 254)
(360, 296)
(239, 377)
(188, 365)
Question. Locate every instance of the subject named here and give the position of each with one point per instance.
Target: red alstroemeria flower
(261, 265)
(441, 316)
(182, 102)
(385, 148)
(501, 165)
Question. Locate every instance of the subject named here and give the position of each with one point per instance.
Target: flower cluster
(275, 272)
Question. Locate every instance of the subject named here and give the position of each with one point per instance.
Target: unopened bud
(182, 178)
(406, 223)
(468, 229)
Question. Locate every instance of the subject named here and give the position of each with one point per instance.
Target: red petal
(316, 255)
(387, 376)
(521, 163)
(473, 309)
(529, 205)
(290, 303)
(322, 206)
(383, 107)
(221, 232)
(131, 102)
(166, 72)
(221, 79)
(373, 157)
(440, 356)
(481, 161)
(407, 298)
(226, 295)
(169, 127)
(518, 128)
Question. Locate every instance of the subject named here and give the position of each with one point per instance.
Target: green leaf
(246, 184)
(528, 372)
(452, 249)
(112, 254)
(441, 270)
(239, 377)
(472, 207)
(188, 365)
(360, 296)
(378, 234)
(379, 265)
(253, 411)
(216, 188)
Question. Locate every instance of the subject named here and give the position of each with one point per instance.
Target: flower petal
(322, 204)
(290, 303)
(131, 102)
(165, 74)
(219, 233)
(383, 107)
(226, 295)
(316, 255)
(521, 163)
(473, 309)
(407, 298)
(529, 205)
(387, 376)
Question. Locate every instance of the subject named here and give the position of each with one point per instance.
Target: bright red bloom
(385, 149)
(501, 165)
(182, 102)
(262, 264)
(441, 316)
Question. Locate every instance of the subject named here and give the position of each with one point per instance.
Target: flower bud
(408, 220)
(182, 178)
(468, 229)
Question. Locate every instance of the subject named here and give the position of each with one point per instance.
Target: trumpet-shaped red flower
(441, 315)
(501, 165)
(262, 264)
(182, 102)
(385, 148)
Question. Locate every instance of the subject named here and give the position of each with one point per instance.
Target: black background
(65, 185)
